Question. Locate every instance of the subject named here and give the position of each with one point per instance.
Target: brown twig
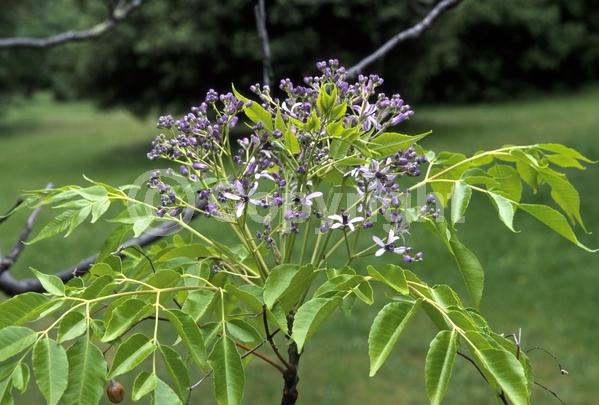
(116, 15)
(270, 339)
(412, 32)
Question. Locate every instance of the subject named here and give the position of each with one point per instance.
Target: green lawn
(535, 280)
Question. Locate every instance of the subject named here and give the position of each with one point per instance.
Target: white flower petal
(240, 208)
(231, 196)
(380, 252)
(378, 241)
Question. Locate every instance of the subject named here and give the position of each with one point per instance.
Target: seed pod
(115, 391)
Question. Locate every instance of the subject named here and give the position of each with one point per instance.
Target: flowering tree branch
(116, 15)
(412, 32)
(260, 13)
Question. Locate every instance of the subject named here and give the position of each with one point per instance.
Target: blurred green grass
(534, 279)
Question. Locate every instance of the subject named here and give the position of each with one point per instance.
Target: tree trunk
(290, 375)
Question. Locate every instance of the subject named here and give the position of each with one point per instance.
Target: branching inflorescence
(313, 184)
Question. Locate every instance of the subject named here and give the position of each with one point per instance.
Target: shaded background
(487, 74)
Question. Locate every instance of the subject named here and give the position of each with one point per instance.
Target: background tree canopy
(170, 52)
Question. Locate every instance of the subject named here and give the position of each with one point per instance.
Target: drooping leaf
(87, 374)
(470, 269)
(505, 210)
(439, 364)
(386, 328)
(507, 373)
(554, 220)
(50, 366)
(229, 376)
(460, 199)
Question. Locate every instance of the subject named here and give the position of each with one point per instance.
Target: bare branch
(260, 12)
(11, 286)
(117, 15)
(11, 210)
(412, 32)
(8, 261)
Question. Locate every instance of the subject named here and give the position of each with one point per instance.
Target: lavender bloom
(306, 200)
(242, 197)
(343, 221)
(389, 245)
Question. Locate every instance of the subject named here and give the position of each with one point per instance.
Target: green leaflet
(190, 334)
(50, 366)
(391, 275)
(386, 328)
(389, 143)
(130, 354)
(163, 394)
(177, 370)
(87, 374)
(439, 364)
(22, 308)
(124, 316)
(505, 210)
(50, 282)
(229, 377)
(72, 325)
(287, 283)
(144, 384)
(556, 221)
(15, 339)
(310, 316)
(460, 199)
(507, 372)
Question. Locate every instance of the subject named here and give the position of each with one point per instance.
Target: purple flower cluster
(278, 170)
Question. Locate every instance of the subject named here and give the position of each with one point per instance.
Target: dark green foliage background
(171, 51)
